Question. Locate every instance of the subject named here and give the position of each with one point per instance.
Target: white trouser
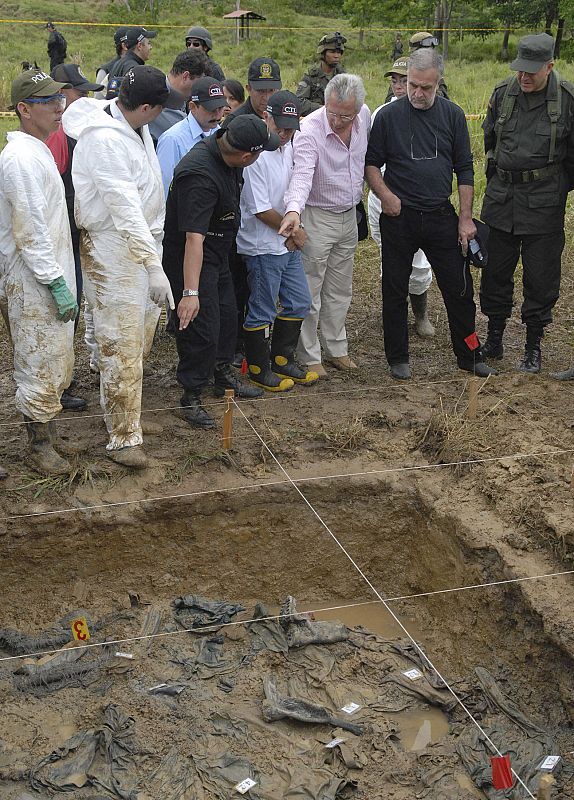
(328, 258)
(421, 276)
(124, 322)
(43, 346)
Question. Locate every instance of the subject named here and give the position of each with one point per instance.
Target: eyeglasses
(193, 43)
(342, 117)
(55, 101)
(420, 148)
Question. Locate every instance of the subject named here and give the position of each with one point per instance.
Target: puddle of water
(375, 618)
(419, 728)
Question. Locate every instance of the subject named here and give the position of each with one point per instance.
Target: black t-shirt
(421, 150)
(203, 198)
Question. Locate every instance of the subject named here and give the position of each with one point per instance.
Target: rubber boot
(284, 343)
(194, 412)
(132, 457)
(493, 348)
(71, 402)
(42, 456)
(423, 325)
(226, 378)
(532, 360)
(257, 351)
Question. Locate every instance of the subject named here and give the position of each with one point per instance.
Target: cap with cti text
(208, 92)
(285, 108)
(264, 73)
(533, 52)
(35, 83)
(399, 68)
(248, 133)
(143, 84)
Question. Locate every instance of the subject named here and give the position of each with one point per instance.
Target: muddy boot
(194, 412)
(226, 378)
(150, 428)
(283, 346)
(70, 402)
(401, 372)
(132, 457)
(567, 375)
(492, 348)
(258, 361)
(42, 456)
(423, 325)
(532, 360)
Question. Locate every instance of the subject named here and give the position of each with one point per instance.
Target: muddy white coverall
(120, 211)
(35, 249)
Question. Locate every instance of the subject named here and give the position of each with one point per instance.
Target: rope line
(309, 479)
(418, 648)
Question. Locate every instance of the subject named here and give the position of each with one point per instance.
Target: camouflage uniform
(311, 87)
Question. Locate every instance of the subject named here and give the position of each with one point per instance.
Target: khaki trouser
(328, 259)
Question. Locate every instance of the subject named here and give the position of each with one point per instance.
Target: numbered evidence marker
(80, 630)
(350, 708)
(245, 785)
(549, 763)
(413, 674)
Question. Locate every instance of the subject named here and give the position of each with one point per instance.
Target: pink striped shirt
(327, 173)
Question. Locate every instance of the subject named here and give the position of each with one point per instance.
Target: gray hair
(426, 58)
(345, 87)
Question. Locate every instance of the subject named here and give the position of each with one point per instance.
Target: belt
(529, 175)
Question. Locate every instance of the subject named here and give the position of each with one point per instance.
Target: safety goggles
(54, 101)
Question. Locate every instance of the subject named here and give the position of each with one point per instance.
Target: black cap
(533, 52)
(144, 84)
(119, 34)
(248, 133)
(132, 36)
(264, 73)
(72, 74)
(285, 108)
(208, 92)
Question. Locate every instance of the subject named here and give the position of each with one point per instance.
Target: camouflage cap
(331, 41)
(533, 52)
(398, 68)
(422, 39)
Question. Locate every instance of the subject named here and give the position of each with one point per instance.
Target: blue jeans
(271, 277)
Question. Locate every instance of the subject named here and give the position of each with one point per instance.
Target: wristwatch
(190, 293)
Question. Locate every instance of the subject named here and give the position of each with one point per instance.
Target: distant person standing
(201, 39)
(139, 47)
(57, 46)
(311, 87)
(397, 48)
(424, 39)
(103, 71)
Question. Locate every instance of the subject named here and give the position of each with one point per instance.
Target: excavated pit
(263, 546)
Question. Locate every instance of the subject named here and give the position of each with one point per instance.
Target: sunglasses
(193, 43)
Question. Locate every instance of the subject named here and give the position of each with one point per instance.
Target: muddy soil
(376, 460)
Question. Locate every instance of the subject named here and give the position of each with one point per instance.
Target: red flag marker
(244, 367)
(501, 772)
(472, 341)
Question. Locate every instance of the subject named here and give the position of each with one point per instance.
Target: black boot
(493, 348)
(532, 360)
(41, 454)
(72, 403)
(226, 378)
(258, 361)
(283, 346)
(194, 412)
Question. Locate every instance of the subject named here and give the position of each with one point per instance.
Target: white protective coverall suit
(35, 249)
(119, 209)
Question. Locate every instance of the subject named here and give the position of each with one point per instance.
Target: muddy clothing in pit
(204, 199)
(421, 149)
(529, 178)
(120, 209)
(311, 87)
(35, 250)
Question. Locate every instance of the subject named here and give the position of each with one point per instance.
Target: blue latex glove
(64, 300)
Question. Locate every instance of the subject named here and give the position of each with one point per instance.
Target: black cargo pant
(541, 266)
(210, 338)
(435, 232)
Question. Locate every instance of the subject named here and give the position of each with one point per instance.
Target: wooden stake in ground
(228, 419)
(545, 787)
(472, 398)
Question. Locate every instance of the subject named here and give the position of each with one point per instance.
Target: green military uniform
(529, 141)
(311, 88)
